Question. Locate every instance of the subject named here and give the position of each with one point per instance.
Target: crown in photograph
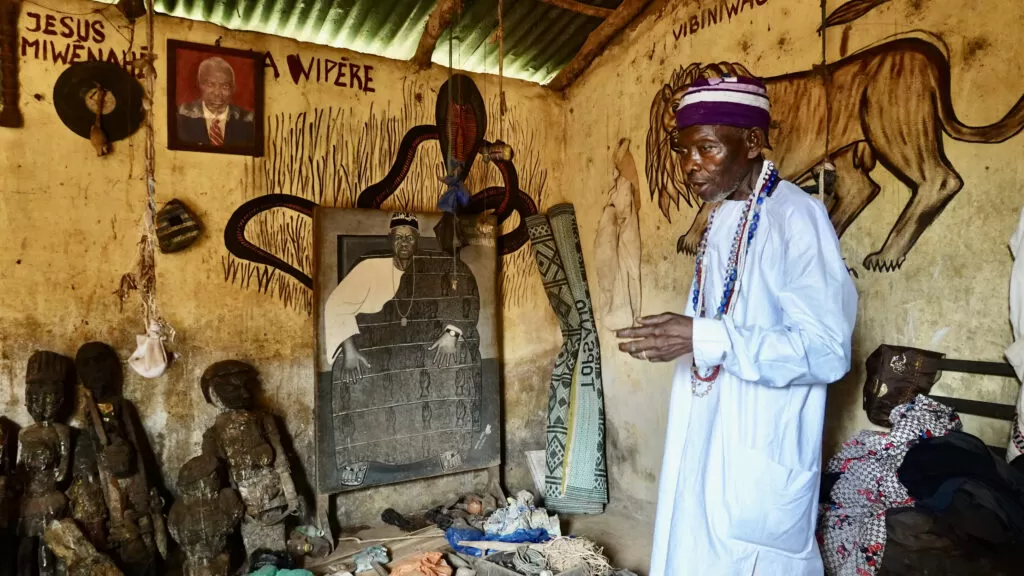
(404, 219)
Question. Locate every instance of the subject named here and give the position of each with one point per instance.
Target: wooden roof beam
(597, 41)
(581, 8)
(439, 21)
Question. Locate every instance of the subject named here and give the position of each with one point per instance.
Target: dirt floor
(625, 531)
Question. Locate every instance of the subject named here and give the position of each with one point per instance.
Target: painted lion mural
(890, 104)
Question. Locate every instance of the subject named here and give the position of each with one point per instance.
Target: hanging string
(144, 276)
(148, 257)
(487, 109)
(450, 158)
(825, 74)
(451, 61)
(826, 163)
(131, 139)
(501, 70)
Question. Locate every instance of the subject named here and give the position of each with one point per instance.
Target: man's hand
(447, 349)
(355, 362)
(658, 338)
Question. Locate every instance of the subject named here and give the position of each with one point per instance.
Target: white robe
(740, 475)
(370, 285)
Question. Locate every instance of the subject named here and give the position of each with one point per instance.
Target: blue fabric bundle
(456, 196)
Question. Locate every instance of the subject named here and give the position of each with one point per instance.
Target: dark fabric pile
(969, 512)
(964, 514)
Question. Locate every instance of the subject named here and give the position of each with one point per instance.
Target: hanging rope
(826, 77)
(451, 109)
(150, 139)
(452, 120)
(501, 70)
(499, 150)
(143, 278)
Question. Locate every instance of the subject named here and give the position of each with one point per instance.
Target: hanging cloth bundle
(457, 196)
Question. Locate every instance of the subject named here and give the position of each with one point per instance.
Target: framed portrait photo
(215, 99)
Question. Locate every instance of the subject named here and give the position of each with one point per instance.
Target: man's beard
(729, 191)
(726, 192)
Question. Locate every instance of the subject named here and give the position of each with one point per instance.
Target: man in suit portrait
(213, 120)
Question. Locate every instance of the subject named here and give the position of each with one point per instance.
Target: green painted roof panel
(540, 39)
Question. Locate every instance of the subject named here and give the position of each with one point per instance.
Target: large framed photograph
(215, 99)
(406, 348)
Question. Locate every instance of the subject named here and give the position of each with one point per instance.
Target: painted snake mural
(461, 122)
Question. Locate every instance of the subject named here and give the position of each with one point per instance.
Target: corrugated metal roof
(540, 39)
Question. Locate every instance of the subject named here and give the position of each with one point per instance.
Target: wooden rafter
(10, 114)
(581, 8)
(440, 19)
(597, 41)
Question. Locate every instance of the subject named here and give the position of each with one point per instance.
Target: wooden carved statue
(137, 531)
(43, 458)
(88, 504)
(79, 556)
(201, 520)
(249, 443)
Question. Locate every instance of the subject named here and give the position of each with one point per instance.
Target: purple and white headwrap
(738, 101)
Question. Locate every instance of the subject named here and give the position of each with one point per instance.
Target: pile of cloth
(519, 522)
(931, 498)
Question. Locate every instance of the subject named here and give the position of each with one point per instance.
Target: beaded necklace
(741, 241)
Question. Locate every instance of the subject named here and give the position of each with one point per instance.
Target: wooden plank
(597, 41)
(440, 19)
(977, 367)
(10, 113)
(978, 408)
(323, 515)
(581, 8)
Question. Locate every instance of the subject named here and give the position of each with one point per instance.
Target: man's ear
(756, 142)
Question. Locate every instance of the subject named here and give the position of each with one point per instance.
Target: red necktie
(216, 133)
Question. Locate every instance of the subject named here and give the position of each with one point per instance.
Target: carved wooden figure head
(100, 370)
(230, 384)
(46, 379)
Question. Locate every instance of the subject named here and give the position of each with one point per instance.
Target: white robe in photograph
(740, 475)
(370, 285)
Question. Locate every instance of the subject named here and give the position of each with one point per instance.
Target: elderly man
(213, 120)
(768, 323)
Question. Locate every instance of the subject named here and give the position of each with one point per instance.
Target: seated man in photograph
(213, 120)
(411, 295)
